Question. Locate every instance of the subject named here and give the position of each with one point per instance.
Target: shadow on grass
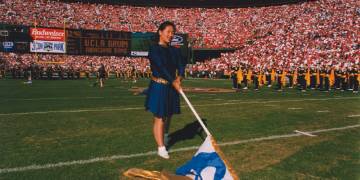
(189, 131)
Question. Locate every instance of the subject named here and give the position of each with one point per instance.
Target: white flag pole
(232, 172)
(195, 113)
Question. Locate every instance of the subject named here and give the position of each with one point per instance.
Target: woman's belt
(159, 80)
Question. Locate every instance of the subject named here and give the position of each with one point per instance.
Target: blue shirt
(164, 61)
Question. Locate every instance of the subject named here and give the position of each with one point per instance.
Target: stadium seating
(323, 32)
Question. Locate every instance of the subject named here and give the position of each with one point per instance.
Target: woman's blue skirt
(162, 100)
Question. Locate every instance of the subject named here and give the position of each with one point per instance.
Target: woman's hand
(179, 78)
(177, 84)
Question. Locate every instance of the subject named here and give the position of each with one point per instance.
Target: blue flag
(206, 164)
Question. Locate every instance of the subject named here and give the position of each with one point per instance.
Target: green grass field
(69, 121)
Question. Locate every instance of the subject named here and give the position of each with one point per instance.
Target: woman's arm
(180, 64)
(155, 59)
(181, 70)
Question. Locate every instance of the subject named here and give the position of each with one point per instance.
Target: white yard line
(66, 98)
(354, 115)
(323, 111)
(294, 108)
(231, 102)
(72, 111)
(294, 100)
(151, 153)
(304, 133)
(50, 98)
(272, 105)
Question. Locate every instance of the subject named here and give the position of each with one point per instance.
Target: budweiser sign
(46, 34)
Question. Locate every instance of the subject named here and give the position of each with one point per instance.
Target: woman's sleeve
(155, 59)
(181, 64)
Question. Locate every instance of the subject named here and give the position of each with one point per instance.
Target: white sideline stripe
(296, 100)
(61, 98)
(272, 105)
(231, 102)
(150, 153)
(73, 111)
(323, 111)
(304, 133)
(294, 108)
(287, 135)
(355, 115)
(53, 98)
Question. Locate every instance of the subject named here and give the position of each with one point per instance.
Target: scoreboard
(92, 42)
(14, 38)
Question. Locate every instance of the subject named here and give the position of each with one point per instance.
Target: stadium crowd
(212, 28)
(313, 35)
(68, 66)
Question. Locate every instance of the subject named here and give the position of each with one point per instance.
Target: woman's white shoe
(162, 152)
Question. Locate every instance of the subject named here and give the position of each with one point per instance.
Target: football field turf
(68, 129)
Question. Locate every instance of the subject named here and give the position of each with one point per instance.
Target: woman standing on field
(163, 98)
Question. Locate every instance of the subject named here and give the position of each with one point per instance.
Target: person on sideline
(163, 98)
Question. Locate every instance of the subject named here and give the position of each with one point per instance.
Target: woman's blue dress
(162, 99)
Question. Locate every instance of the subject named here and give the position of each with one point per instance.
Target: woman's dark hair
(162, 27)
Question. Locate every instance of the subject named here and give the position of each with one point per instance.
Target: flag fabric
(136, 173)
(208, 163)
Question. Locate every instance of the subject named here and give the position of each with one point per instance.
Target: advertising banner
(47, 40)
